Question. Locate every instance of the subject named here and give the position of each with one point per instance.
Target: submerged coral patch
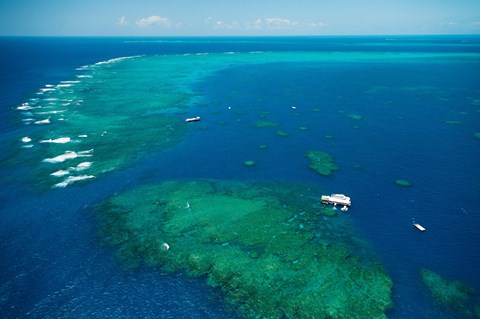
(403, 182)
(452, 294)
(321, 162)
(266, 246)
(249, 163)
(454, 122)
(263, 124)
(356, 117)
(282, 133)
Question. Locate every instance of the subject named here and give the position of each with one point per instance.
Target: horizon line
(244, 36)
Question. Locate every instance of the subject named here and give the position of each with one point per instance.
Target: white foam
(83, 68)
(51, 99)
(68, 155)
(61, 140)
(84, 76)
(83, 135)
(50, 112)
(26, 139)
(27, 146)
(82, 153)
(84, 165)
(73, 179)
(117, 59)
(60, 173)
(49, 85)
(46, 121)
(28, 120)
(27, 107)
(62, 158)
(47, 89)
(69, 81)
(64, 85)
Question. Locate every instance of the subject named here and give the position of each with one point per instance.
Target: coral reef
(321, 162)
(403, 182)
(264, 114)
(454, 122)
(452, 294)
(249, 163)
(282, 133)
(355, 117)
(110, 117)
(263, 124)
(477, 135)
(264, 245)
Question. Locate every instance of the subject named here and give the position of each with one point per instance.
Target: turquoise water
(385, 110)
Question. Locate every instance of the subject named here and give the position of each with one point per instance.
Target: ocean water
(384, 108)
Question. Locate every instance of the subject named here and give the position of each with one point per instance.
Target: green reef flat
(114, 113)
(452, 294)
(268, 246)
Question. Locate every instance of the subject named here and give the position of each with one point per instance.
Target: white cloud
(220, 24)
(208, 20)
(227, 26)
(156, 21)
(255, 25)
(449, 24)
(279, 23)
(475, 24)
(317, 24)
(263, 24)
(122, 21)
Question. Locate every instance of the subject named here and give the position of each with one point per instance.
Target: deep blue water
(53, 265)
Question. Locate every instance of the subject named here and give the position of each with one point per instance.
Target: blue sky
(244, 17)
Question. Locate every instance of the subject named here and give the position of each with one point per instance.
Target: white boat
(336, 199)
(193, 119)
(419, 227)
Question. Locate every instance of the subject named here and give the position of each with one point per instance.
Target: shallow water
(384, 111)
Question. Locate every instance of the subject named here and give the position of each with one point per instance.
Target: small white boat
(419, 227)
(193, 119)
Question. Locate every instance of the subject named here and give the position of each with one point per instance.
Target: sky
(237, 18)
